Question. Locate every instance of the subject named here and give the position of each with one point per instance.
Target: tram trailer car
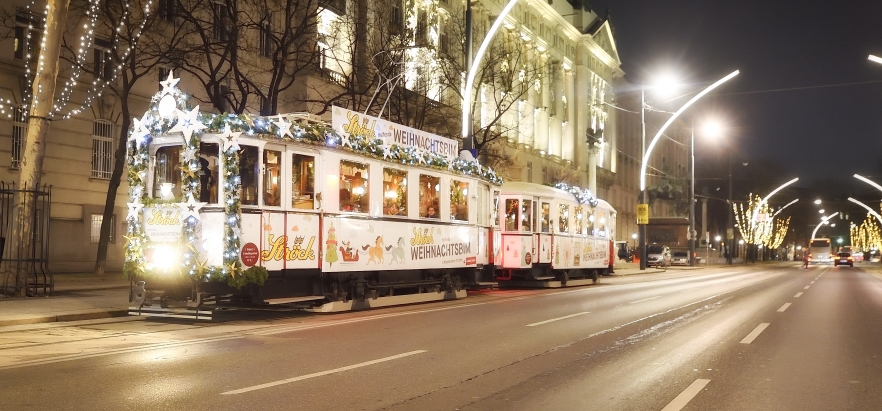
(553, 233)
(334, 227)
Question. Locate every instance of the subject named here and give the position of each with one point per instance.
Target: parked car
(843, 259)
(680, 258)
(658, 255)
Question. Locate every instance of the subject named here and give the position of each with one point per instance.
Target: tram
(358, 214)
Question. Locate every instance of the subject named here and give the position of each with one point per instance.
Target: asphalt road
(746, 338)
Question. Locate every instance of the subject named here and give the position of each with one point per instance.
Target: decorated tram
(356, 214)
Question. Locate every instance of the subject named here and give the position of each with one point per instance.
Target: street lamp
(824, 220)
(869, 209)
(467, 137)
(648, 150)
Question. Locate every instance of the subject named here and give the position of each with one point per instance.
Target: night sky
(807, 97)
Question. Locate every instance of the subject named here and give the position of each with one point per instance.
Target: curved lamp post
(648, 151)
(823, 220)
(782, 208)
(468, 143)
(766, 198)
(869, 209)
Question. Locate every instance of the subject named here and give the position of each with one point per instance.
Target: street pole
(692, 201)
(730, 228)
(641, 228)
(468, 141)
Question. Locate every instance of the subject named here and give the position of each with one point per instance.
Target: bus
(820, 251)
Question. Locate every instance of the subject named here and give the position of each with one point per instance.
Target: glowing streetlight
(824, 220)
(869, 209)
(648, 150)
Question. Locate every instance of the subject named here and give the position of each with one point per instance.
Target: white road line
(321, 373)
(755, 333)
(783, 307)
(812, 282)
(687, 395)
(558, 319)
(797, 294)
(645, 299)
(690, 289)
(806, 287)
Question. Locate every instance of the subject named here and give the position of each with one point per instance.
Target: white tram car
(553, 234)
(340, 219)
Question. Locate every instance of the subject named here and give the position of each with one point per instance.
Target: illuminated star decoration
(230, 138)
(134, 209)
(169, 84)
(387, 150)
(344, 141)
(284, 127)
(188, 122)
(191, 207)
(140, 131)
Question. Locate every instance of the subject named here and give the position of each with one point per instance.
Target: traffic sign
(642, 213)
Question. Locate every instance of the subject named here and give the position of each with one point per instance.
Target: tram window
(527, 216)
(208, 173)
(546, 218)
(429, 195)
(248, 169)
(601, 223)
(577, 214)
(272, 173)
(354, 193)
(511, 215)
(394, 192)
(167, 173)
(495, 216)
(459, 200)
(302, 181)
(563, 218)
(591, 226)
(482, 206)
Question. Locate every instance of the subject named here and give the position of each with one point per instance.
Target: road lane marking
(755, 333)
(797, 294)
(690, 289)
(812, 282)
(321, 373)
(806, 287)
(558, 319)
(687, 395)
(783, 307)
(645, 299)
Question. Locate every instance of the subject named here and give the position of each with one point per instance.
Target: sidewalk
(87, 297)
(76, 297)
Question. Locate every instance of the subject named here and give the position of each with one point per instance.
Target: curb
(65, 317)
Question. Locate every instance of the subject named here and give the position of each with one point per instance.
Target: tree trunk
(119, 165)
(34, 145)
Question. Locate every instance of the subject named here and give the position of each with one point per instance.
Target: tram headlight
(165, 257)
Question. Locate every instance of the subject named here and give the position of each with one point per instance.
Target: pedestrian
(805, 259)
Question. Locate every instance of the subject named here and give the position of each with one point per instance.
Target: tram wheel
(563, 276)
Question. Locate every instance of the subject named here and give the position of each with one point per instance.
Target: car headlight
(164, 257)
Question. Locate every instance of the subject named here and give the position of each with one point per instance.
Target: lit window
(249, 166)
(394, 192)
(430, 186)
(459, 200)
(546, 218)
(96, 228)
(167, 173)
(303, 181)
(527, 216)
(578, 220)
(354, 193)
(272, 174)
(208, 172)
(563, 218)
(511, 215)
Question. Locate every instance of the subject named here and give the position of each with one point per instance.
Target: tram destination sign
(353, 123)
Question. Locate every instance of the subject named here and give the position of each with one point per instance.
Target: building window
(102, 149)
(96, 228)
(266, 36)
(103, 61)
(422, 28)
(27, 34)
(221, 26)
(529, 171)
(167, 10)
(19, 130)
(396, 22)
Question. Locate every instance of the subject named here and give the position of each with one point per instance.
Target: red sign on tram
(250, 254)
